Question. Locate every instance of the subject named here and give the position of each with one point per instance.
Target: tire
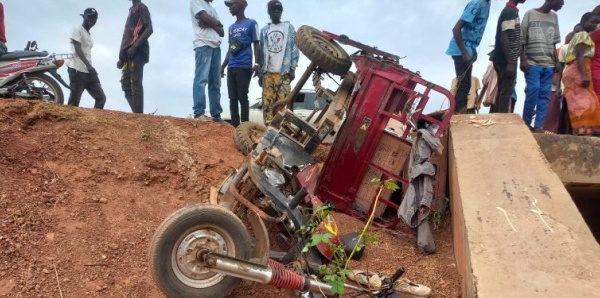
(46, 84)
(181, 235)
(247, 134)
(324, 52)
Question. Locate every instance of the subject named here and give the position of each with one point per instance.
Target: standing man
(3, 48)
(209, 32)
(467, 34)
(278, 59)
(243, 35)
(134, 53)
(507, 50)
(82, 75)
(539, 63)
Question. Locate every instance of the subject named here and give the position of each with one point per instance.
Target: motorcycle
(24, 74)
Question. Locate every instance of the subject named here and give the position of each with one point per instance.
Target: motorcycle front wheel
(175, 247)
(40, 86)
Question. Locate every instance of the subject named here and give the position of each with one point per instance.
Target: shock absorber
(283, 278)
(274, 273)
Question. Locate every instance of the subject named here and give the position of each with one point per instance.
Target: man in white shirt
(82, 74)
(279, 56)
(209, 33)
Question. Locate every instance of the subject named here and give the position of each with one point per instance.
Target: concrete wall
(576, 160)
(498, 175)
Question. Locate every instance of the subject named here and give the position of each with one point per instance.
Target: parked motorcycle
(24, 74)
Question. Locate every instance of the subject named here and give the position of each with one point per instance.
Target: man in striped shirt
(466, 37)
(540, 35)
(507, 50)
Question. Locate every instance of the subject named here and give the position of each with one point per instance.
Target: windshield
(304, 101)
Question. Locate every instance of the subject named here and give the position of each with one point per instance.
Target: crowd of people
(269, 53)
(272, 49)
(562, 85)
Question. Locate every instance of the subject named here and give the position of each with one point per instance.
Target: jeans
(131, 83)
(463, 70)
(538, 91)
(238, 82)
(81, 81)
(506, 84)
(3, 49)
(208, 72)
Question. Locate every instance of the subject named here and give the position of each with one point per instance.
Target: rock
(46, 271)
(34, 171)
(113, 246)
(103, 200)
(95, 199)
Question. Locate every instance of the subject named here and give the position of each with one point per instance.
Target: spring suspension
(283, 278)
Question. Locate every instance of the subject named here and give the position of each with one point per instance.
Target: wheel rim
(40, 90)
(184, 261)
(328, 46)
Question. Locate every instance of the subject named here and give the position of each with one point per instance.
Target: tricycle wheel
(247, 134)
(324, 52)
(174, 248)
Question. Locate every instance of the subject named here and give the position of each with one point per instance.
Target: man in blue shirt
(243, 34)
(467, 34)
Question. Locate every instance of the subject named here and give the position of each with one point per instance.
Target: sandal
(411, 289)
(366, 278)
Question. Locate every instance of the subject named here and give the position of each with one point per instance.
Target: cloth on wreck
(420, 188)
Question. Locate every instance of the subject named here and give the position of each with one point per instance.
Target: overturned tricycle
(254, 227)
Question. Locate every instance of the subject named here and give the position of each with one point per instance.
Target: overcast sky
(417, 30)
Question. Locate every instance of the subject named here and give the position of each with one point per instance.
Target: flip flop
(366, 278)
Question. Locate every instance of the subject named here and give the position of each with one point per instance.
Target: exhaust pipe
(274, 274)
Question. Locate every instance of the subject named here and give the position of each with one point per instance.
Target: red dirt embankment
(82, 192)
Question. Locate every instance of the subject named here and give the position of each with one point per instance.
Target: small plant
(440, 216)
(336, 271)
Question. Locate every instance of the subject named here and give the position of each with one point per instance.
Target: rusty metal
(289, 100)
(262, 246)
(234, 192)
(368, 49)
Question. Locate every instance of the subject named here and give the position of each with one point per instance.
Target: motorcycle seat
(22, 54)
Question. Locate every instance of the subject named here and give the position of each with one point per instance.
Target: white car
(304, 105)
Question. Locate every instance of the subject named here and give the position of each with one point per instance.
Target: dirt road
(82, 192)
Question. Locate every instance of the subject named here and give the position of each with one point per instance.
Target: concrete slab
(576, 160)
(498, 175)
